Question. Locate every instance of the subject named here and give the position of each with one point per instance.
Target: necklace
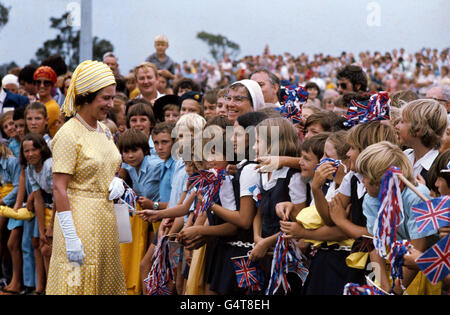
(86, 124)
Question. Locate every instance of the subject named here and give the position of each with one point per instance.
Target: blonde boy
(372, 163)
(160, 59)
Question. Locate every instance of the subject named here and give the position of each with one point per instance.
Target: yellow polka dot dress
(92, 159)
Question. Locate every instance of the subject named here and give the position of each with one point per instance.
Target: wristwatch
(155, 205)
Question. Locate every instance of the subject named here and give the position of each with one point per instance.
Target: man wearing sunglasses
(351, 79)
(44, 80)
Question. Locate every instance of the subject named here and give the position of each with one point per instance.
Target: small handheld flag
(432, 214)
(435, 262)
(248, 273)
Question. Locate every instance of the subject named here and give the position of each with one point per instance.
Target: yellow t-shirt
(134, 93)
(53, 112)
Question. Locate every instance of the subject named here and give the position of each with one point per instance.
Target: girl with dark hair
(36, 158)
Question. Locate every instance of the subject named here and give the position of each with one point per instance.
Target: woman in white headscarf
(243, 97)
(86, 253)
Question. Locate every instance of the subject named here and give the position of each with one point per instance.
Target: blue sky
(296, 26)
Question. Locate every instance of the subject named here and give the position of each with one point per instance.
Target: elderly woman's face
(239, 103)
(103, 103)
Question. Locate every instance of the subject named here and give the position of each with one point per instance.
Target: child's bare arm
(174, 212)
(21, 191)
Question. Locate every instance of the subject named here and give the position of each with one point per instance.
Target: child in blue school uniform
(144, 173)
(372, 164)
(163, 141)
(10, 173)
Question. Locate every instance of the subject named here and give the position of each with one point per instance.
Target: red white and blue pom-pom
(129, 198)
(356, 289)
(398, 250)
(390, 213)
(287, 257)
(208, 183)
(376, 108)
(162, 271)
(293, 97)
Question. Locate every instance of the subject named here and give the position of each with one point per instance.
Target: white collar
(279, 173)
(425, 161)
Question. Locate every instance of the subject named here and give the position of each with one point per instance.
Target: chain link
(242, 244)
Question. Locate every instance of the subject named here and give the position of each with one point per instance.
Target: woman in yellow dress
(86, 253)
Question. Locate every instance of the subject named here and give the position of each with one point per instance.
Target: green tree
(219, 45)
(4, 15)
(67, 45)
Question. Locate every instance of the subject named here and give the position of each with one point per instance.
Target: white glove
(74, 248)
(116, 189)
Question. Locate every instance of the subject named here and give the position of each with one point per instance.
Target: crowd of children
(315, 178)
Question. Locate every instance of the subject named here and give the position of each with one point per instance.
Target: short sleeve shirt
(408, 229)
(146, 183)
(42, 180)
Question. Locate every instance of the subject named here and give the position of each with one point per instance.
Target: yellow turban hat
(89, 77)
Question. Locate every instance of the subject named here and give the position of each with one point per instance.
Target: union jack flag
(248, 275)
(298, 268)
(432, 214)
(200, 179)
(435, 262)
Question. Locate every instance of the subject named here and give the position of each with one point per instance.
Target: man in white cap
(10, 100)
(11, 83)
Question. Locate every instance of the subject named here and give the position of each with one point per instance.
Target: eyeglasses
(46, 83)
(236, 99)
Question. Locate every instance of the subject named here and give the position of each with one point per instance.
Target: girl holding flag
(283, 184)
